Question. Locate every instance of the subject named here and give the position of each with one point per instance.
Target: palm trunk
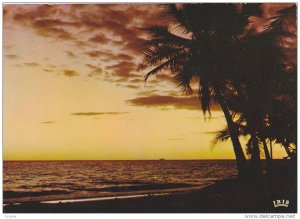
(255, 166)
(239, 154)
(286, 147)
(267, 155)
(271, 149)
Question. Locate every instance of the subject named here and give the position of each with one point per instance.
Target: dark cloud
(96, 54)
(118, 15)
(48, 122)
(132, 86)
(97, 113)
(122, 80)
(90, 25)
(136, 46)
(122, 56)
(99, 38)
(5, 11)
(71, 54)
(32, 64)
(40, 11)
(123, 69)
(189, 102)
(11, 56)
(70, 73)
(117, 24)
(47, 70)
(137, 80)
(175, 139)
(42, 19)
(92, 66)
(59, 33)
(109, 55)
(7, 46)
(95, 73)
(127, 24)
(96, 70)
(48, 23)
(122, 23)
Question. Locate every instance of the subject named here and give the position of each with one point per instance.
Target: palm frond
(220, 136)
(162, 35)
(154, 55)
(157, 69)
(284, 24)
(184, 75)
(177, 16)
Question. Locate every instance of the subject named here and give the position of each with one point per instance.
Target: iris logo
(281, 203)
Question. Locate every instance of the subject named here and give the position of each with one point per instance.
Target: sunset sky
(71, 88)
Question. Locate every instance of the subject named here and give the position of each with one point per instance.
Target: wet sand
(225, 196)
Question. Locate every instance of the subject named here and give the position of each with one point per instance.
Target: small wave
(56, 184)
(128, 187)
(123, 182)
(16, 194)
(101, 198)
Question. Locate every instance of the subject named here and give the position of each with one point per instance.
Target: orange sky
(71, 89)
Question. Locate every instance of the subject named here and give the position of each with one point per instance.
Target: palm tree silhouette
(259, 72)
(205, 53)
(284, 115)
(243, 71)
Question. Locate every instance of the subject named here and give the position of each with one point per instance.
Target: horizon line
(137, 160)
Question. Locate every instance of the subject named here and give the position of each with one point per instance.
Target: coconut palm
(278, 93)
(259, 71)
(200, 43)
(223, 135)
(282, 30)
(213, 43)
(265, 93)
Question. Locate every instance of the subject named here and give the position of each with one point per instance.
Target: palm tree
(205, 53)
(283, 29)
(276, 100)
(265, 94)
(223, 135)
(237, 69)
(259, 70)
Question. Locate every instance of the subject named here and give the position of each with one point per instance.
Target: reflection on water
(51, 180)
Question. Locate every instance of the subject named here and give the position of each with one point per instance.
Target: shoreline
(65, 198)
(82, 200)
(225, 196)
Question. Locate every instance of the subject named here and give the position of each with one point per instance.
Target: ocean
(58, 181)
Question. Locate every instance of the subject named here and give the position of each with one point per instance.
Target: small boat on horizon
(161, 159)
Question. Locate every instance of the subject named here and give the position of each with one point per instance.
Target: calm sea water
(55, 180)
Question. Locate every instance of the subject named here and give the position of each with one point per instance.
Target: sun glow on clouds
(72, 89)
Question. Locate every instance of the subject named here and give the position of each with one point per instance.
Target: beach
(224, 196)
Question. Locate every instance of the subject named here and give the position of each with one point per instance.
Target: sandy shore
(226, 196)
